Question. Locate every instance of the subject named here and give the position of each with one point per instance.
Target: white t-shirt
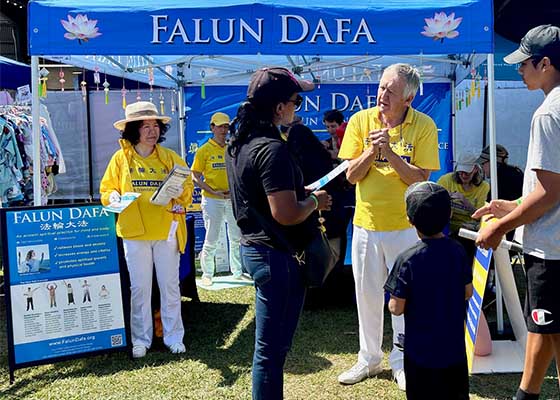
(541, 238)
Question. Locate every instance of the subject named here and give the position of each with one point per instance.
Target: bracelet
(518, 201)
(315, 200)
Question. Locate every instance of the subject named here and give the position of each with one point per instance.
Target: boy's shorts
(450, 383)
(542, 304)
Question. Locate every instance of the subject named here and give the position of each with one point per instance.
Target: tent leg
(35, 113)
(494, 180)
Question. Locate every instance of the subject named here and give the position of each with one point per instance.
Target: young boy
(430, 283)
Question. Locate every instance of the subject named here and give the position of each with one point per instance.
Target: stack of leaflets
(126, 200)
(176, 177)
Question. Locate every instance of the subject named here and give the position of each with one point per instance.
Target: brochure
(176, 177)
(318, 184)
(126, 200)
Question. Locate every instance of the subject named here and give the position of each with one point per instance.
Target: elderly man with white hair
(391, 146)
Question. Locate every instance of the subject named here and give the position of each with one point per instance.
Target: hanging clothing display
(16, 156)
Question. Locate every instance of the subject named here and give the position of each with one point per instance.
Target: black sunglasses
(297, 102)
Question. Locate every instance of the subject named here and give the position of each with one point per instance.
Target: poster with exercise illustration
(63, 281)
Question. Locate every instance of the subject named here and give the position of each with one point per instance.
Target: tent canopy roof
(223, 42)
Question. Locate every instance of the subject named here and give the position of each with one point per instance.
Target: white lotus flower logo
(80, 28)
(442, 26)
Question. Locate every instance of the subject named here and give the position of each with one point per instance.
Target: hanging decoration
(106, 89)
(151, 82)
(123, 94)
(202, 85)
(96, 77)
(83, 84)
(173, 101)
(43, 78)
(61, 79)
(161, 102)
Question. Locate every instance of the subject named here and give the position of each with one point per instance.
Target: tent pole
(181, 104)
(453, 119)
(494, 175)
(35, 119)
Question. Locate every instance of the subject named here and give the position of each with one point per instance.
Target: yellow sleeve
(426, 154)
(111, 180)
(199, 162)
(447, 182)
(353, 143)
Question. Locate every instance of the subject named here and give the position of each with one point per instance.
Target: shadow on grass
(206, 327)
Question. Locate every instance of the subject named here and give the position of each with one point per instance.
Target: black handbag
(317, 260)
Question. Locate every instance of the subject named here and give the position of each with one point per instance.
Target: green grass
(217, 365)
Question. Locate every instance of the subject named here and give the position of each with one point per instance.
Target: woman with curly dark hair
(267, 190)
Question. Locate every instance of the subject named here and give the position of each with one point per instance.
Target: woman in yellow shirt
(468, 192)
(152, 234)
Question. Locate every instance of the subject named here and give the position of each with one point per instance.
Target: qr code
(116, 340)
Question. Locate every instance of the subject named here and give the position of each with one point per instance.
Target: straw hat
(140, 111)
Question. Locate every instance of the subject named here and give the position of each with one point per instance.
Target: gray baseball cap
(542, 41)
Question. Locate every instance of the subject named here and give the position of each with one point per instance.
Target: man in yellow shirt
(390, 147)
(209, 173)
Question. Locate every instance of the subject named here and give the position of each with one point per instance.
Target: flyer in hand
(176, 177)
(318, 184)
(126, 200)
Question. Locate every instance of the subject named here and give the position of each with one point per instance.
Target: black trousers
(451, 383)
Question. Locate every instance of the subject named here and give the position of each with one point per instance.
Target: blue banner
(63, 281)
(336, 27)
(348, 98)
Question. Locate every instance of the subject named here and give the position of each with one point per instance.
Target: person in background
(538, 211)
(333, 120)
(468, 192)
(209, 173)
(435, 361)
(391, 146)
(152, 234)
(510, 177)
(315, 162)
(268, 191)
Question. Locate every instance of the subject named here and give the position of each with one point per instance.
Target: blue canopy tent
(224, 42)
(13, 74)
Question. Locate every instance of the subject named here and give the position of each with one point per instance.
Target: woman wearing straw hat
(152, 234)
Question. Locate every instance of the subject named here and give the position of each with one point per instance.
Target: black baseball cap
(428, 207)
(276, 82)
(542, 41)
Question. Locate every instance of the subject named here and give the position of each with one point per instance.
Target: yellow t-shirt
(380, 202)
(461, 216)
(146, 174)
(210, 161)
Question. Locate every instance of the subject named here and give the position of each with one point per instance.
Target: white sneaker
(243, 278)
(139, 351)
(206, 281)
(358, 373)
(400, 378)
(177, 348)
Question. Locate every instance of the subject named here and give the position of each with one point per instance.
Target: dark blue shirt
(432, 276)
